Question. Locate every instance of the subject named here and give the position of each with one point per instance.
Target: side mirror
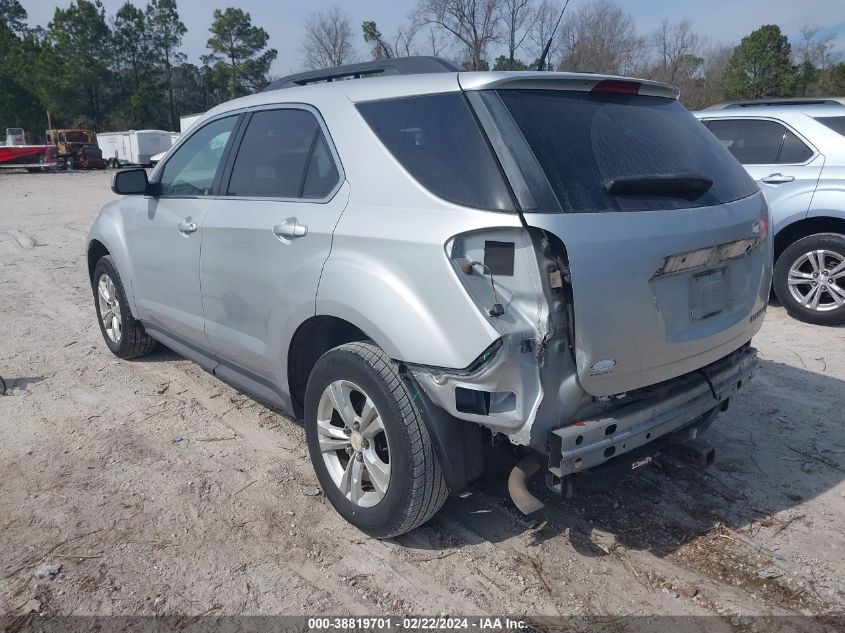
(130, 182)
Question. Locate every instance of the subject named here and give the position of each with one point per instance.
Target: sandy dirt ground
(161, 490)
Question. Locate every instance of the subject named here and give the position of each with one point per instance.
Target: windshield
(77, 136)
(587, 143)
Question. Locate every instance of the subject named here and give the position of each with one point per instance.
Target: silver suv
(795, 150)
(412, 263)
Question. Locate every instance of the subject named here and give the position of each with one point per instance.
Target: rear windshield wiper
(664, 185)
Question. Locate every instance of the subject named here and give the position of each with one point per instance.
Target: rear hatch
(665, 234)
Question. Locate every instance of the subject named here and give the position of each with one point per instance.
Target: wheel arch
(96, 250)
(313, 338)
(806, 227)
(457, 442)
(108, 237)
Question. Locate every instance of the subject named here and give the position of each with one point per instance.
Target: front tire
(369, 445)
(809, 279)
(124, 335)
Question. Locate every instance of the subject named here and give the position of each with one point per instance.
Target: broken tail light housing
(762, 225)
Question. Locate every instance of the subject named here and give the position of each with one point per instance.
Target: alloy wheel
(353, 443)
(109, 308)
(817, 280)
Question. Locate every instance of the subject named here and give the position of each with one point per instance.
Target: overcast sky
(725, 21)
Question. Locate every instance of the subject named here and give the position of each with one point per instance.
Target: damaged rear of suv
(568, 261)
(619, 311)
(646, 273)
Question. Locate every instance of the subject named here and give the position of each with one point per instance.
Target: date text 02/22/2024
(412, 623)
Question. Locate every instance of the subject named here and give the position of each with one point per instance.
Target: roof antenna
(542, 62)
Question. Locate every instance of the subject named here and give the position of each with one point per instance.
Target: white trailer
(135, 147)
(187, 121)
(155, 160)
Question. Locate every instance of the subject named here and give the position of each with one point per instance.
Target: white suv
(568, 261)
(795, 150)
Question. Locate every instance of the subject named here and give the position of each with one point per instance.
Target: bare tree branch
(403, 39)
(814, 48)
(328, 39)
(543, 19)
(678, 52)
(473, 24)
(601, 37)
(517, 23)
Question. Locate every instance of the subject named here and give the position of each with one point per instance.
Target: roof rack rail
(397, 66)
(779, 101)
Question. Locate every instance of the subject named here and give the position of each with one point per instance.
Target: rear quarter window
(794, 151)
(437, 140)
(583, 141)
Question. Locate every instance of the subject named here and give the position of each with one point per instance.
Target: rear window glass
(835, 123)
(585, 141)
(436, 139)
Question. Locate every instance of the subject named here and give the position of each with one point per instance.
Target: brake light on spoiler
(617, 86)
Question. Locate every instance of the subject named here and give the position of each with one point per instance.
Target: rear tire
(817, 259)
(124, 336)
(363, 382)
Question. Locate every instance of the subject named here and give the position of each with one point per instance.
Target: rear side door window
(760, 141)
(190, 172)
(283, 154)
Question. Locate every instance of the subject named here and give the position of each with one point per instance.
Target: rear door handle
(187, 227)
(777, 179)
(290, 228)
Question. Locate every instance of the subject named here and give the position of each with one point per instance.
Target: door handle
(187, 227)
(290, 229)
(777, 179)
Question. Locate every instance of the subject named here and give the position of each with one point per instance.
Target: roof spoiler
(580, 82)
(398, 66)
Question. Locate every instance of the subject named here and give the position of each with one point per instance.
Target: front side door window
(191, 170)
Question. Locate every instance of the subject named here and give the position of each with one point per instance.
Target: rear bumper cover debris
(675, 405)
